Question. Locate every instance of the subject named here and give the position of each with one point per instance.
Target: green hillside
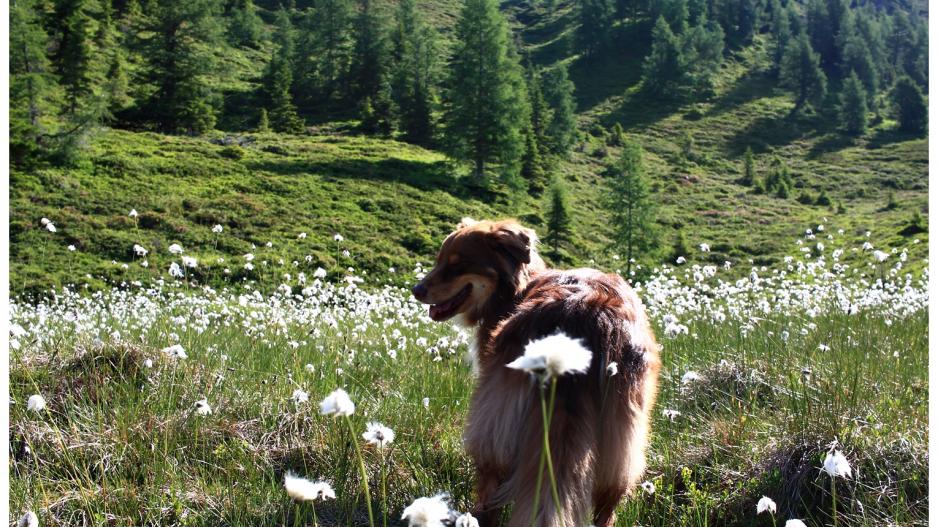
(393, 202)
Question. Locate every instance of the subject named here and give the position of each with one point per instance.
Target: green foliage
(486, 104)
(559, 221)
(558, 93)
(326, 50)
(369, 67)
(823, 200)
(780, 33)
(910, 106)
(664, 68)
(180, 62)
(245, 27)
(853, 108)
(278, 79)
(749, 168)
(801, 72)
(414, 48)
(596, 18)
(684, 63)
(631, 207)
(263, 122)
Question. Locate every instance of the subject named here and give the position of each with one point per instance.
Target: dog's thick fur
(489, 275)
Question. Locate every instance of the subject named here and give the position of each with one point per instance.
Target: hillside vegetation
(395, 201)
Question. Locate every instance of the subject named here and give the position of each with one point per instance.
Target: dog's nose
(419, 291)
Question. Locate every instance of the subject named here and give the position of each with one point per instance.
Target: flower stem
(361, 467)
(834, 495)
(550, 464)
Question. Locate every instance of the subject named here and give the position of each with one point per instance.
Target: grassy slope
(394, 202)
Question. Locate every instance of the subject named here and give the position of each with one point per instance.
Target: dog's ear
(514, 240)
(465, 222)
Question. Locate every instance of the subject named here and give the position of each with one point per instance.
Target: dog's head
(480, 265)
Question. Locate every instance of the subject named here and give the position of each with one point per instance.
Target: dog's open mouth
(445, 310)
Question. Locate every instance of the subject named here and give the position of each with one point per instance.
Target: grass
(119, 441)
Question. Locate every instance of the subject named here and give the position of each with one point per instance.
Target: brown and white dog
(489, 275)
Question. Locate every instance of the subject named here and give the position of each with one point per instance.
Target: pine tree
(369, 58)
(853, 106)
(532, 165)
(414, 49)
(664, 69)
(326, 50)
(76, 54)
(540, 111)
(559, 224)
(558, 93)
(630, 206)
(749, 168)
(32, 84)
(858, 60)
(596, 17)
(278, 79)
(702, 53)
(910, 105)
(263, 122)
(245, 27)
(780, 34)
(802, 73)
(487, 107)
(675, 12)
(180, 59)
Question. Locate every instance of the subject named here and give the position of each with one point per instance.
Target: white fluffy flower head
(337, 403)
(302, 489)
(554, 356)
(379, 435)
(836, 464)
(427, 512)
(766, 504)
(36, 403)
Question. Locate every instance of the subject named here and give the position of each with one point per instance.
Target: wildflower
(45, 221)
(466, 520)
(426, 402)
(337, 403)
(379, 435)
(139, 250)
(766, 504)
(689, 377)
(302, 236)
(249, 257)
(217, 229)
(249, 266)
(302, 489)
(28, 520)
(202, 407)
(132, 213)
(299, 396)
(880, 256)
(704, 247)
(71, 248)
(338, 237)
(613, 369)
(36, 403)
(175, 271)
(671, 414)
(269, 244)
(310, 368)
(836, 464)
(175, 351)
(175, 248)
(823, 347)
(319, 273)
(148, 363)
(50, 227)
(648, 487)
(190, 262)
(144, 263)
(795, 523)
(555, 355)
(427, 512)
(680, 260)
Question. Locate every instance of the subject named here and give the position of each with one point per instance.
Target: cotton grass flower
(132, 213)
(648, 487)
(766, 504)
(29, 519)
(190, 262)
(217, 229)
(302, 489)
(175, 351)
(553, 356)
(466, 520)
(45, 221)
(202, 407)
(836, 465)
(337, 404)
(175, 271)
(299, 396)
(427, 512)
(319, 273)
(36, 403)
(139, 250)
(612, 369)
(795, 523)
(338, 237)
(379, 435)
(704, 247)
(670, 414)
(690, 377)
(175, 248)
(71, 248)
(880, 256)
(50, 227)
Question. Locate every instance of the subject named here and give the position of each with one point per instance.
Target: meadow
(172, 402)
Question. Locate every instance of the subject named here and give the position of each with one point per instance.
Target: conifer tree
(780, 34)
(414, 49)
(245, 27)
(369, 58)
(32, 84)
(278, 79)
(853, 105)
(596, 17)
(180, 60)
(326, 51)
(802, 73)
(263, 122)
(630, 205)
(910, 105)
(559, 221)
(532, 165)
(76, 53)
(749, 168)
(486, 109)
(664, 68)
(558, 94)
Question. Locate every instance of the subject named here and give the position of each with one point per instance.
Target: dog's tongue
(438, 311)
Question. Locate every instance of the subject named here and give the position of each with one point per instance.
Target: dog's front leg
(487, 482)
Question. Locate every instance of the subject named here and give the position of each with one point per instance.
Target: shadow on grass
(886, 136)
(746, 89)
(829, 144)
(767, 132)
(621, 64)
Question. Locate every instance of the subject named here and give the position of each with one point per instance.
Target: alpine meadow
(218, 209)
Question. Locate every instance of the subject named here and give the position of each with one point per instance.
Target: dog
(489, 276)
